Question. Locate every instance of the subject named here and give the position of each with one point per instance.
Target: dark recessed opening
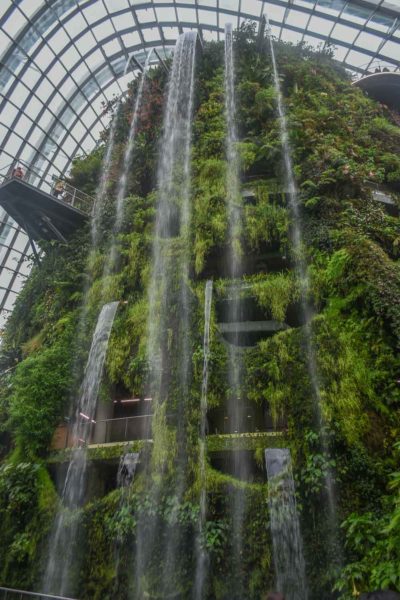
(252, 419)
(248, 333)
(268, 258)
(239, 464)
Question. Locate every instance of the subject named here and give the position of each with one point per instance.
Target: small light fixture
(129, 400)
(148, 399)
(84, 416)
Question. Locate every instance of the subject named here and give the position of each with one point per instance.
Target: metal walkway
(45, 209)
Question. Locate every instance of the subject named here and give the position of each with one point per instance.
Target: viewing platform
(109, 437)
(223, 442)
(382, 85)
(47, 209)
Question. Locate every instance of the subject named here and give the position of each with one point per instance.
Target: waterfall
(58, 577)
(123, 179)
(125, 476)
(285, 526)
(201, 556)
(173, 211)
(101, 190)
(303, 278)
(127, 469)
(232, 176)
(169, 340)
(234, 256)
(96, 214)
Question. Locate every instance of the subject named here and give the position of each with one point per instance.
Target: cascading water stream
(58, 578)
(169, 339)
(234, 256)
(125, 476)
(95, 219)
(302, 276)
(127, 469)
(101, 190)
(201, 555)
(285, 527)
(123, 179)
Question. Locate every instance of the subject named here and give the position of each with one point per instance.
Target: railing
(105, 431)
(376, 66)
(56, 186)
(122, 429)
(11, 594)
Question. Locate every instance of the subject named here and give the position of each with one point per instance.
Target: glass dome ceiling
(60, 60)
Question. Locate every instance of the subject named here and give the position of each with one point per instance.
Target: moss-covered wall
(342, 143)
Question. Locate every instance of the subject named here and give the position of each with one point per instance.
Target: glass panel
(208, 17)
(367, 40)
(275, 13)
(98, 11)
(313, 41)
(390, 49)
(187, 15)
(381, 22)
(123, 22)
(229, 4)
(291, 36)
(356, 13)
(23, 125)
(297, 19)
(146, 16)
(332, 7)
(10, 300)
(15, 23)
(212, 3)
(56, 74)
(131, 39)
(321, 26)
(170, 33)
(111, 48)
(164, 14)
(251, 7)
(120, 5)
(344, 33)
(36, 136)
(356, 59)
(151, 35)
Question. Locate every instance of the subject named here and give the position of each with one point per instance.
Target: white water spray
(304, 281)
(285, 527)
(201, 553)
(58, 578)
(123, 179)
(234, 256)
(169, 338)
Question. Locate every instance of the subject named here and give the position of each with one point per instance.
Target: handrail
(26, 594)
(124, 418)
(377, 66)
(55, 186)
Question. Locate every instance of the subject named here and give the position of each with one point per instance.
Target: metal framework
(60, 60)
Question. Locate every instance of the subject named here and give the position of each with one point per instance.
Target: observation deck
(45, 209)
(382, 85)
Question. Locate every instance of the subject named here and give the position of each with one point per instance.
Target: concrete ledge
(109, 451)
(244, 441)
(215, 443)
